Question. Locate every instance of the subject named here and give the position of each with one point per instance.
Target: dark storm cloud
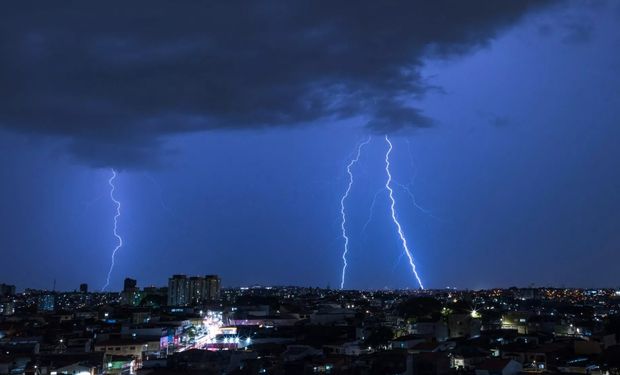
(115, 78)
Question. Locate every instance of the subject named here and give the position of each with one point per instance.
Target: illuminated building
(184, 291)
(47, 302)
(7, 307)
(178, 290)
(213, 287)
(130, 296)
(463, 325)
(128, 346)
(197, 289)
(516, 320)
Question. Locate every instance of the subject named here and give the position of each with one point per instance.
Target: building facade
(7, 290)
(178, 290)
(184, 291)
(47, 302)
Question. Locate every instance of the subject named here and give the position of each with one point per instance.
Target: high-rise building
(130, 296)
(178, 291)
(197, 289)
(84, 288)
(183, 291)
(130, 284)
(213, 287)
(7, 290)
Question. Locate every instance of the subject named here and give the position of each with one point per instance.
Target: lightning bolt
(343, 212)
(372, 209)
(412, 196)
(116, 216)
(393, 211)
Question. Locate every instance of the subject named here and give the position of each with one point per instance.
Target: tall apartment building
(183, 291)
(178, 291)
(7, 290)
(213, 287)
(131, 295)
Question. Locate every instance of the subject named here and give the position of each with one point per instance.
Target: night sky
(231, 125)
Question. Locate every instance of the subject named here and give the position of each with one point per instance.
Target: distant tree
(419, 307)
(379, 336)
(152, 300)
(460, 307)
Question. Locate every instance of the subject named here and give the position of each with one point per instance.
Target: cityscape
(296, 187)
(194, 326)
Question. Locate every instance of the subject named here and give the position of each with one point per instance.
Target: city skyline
(211, 144)
(405, 187)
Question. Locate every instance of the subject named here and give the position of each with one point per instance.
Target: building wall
(133, 349)
(184, 291)
(178, 290)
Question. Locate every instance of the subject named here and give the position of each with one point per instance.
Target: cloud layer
(116, 78)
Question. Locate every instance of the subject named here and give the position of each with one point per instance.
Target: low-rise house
(467, 357)
(436, 329)
(127, 347)
(463, 325)
(350, 348)
(406, 342)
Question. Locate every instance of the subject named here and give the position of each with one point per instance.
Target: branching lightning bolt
(342, 209)
(116, 216)
(428, 212)
(412, 196)
(372, 209)
(393, 212)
